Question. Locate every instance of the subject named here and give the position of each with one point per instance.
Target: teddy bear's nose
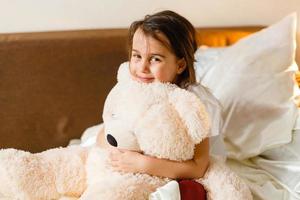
(111, 140)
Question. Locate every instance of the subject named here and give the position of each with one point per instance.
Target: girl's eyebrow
(153, 54)
(156, 54)
(135, 50)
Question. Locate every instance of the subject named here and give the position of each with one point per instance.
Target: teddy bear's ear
(192, 112)
(123, 72)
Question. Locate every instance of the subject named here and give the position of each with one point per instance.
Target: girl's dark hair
(180, 33)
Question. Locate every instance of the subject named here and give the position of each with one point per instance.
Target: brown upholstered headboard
(53, 84)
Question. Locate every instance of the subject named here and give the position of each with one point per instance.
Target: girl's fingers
(115, 151)
(116, 167)
(122, 150)
(113, 163)
(113, 154)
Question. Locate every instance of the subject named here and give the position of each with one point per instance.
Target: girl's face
(151, 61)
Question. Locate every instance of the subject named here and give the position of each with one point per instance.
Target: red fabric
(191, 190)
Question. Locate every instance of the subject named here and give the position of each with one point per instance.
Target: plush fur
(52, 174)
(157, 119)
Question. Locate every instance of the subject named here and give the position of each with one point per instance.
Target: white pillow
(205, 57)
(253, 79)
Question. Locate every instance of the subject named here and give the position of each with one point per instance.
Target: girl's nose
(144, 66)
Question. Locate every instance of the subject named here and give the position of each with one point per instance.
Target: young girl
(161, 48)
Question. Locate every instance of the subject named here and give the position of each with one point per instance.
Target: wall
(41, 15)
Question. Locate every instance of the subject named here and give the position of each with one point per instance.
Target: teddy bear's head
(158, 119)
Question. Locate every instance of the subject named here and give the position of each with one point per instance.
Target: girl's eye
(155, 60)
(136, 56)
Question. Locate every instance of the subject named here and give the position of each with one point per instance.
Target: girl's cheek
(159, 75)
(131, 69)
(166, 76)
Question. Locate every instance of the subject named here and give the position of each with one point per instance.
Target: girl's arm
(190, 169)
(128, 161)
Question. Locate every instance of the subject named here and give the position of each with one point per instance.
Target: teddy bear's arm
(46, 175)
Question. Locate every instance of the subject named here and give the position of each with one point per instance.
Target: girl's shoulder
(212, 105)
(204, 94)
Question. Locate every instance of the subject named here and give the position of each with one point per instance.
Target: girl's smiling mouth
(144, 79)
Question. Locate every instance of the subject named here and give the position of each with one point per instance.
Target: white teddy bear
(157, 119)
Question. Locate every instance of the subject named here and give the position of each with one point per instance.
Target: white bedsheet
(275, 174)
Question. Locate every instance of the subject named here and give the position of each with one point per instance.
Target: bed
(53, 86)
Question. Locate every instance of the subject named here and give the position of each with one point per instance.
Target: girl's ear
(181, 65)
(192, 113)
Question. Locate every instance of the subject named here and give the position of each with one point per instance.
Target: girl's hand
(126, 161)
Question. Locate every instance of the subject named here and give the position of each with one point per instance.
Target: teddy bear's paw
(126, 187)
(22, 175)
(128, 192)
(221, 183)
